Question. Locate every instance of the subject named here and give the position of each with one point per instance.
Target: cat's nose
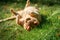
(36, 23)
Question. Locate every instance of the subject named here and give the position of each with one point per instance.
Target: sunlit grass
(47, 30)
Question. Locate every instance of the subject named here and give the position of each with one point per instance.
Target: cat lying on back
(28, 17)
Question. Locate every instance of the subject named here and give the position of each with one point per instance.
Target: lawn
(49, 28)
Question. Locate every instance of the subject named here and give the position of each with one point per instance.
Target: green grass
(47, 30)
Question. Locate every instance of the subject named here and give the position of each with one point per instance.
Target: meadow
(49, 28)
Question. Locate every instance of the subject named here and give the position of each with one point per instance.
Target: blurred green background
(34, 1)
(49, 28)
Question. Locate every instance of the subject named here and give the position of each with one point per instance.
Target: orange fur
(27, 17)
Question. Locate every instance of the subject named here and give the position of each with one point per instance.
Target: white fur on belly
(31, 9)
(28, 10)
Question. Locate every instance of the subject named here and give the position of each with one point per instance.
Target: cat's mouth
(27, 26)
(30, 24)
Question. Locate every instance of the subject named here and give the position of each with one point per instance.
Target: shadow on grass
(43, 22)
